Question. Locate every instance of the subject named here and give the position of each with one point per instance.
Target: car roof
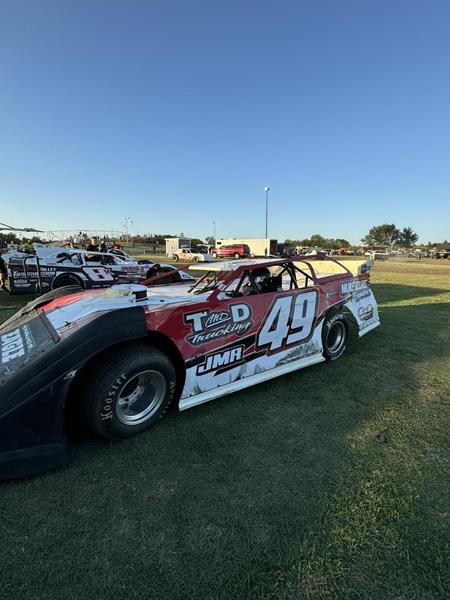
(233, 265)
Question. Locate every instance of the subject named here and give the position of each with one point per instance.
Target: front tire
(236, 255)
(214, 254)
(127, 391)
(175, 257)
(334, 335)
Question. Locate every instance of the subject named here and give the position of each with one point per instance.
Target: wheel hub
(140, 397)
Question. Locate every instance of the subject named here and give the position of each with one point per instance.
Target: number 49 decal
(290, 321)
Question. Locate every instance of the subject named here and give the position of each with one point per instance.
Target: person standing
(93, 246)
(3, 271)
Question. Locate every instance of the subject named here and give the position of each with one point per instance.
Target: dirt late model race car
(53, 267)
(121, 356)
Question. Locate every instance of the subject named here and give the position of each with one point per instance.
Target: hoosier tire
(127, 391)
(334, 335)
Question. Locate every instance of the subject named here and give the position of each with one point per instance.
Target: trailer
(258, 246)
(176, 243)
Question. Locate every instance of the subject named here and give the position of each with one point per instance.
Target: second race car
(52, 267)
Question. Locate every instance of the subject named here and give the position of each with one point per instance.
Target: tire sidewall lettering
(108, 404)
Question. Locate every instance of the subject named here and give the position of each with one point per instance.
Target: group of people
(92, 246)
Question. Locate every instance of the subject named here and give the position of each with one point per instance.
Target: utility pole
(267, 190)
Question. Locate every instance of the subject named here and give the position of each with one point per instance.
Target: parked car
(120, 357)
(234, 250)
(441, 253)
(378, 254)
(190, 254)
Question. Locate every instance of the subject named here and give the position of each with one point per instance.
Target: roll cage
(217, 277)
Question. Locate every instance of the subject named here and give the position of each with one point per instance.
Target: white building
(258, 246)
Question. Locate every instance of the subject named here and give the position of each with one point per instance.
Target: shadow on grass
(226, 500)
(390, 292)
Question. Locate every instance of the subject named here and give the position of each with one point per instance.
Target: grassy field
(329, 483)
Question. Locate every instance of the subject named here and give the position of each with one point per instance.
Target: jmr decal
(216, 361)
(210, 326)
(15, 343)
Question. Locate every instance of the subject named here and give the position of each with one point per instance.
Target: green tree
(382, 235)
(407, 237)
(318, 240)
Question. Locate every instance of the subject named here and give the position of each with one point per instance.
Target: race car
(120, 357)
(191, 254)
(53, 267)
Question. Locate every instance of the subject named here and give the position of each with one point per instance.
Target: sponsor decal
(210, 326)
(354, 285)
(46, 273)
(365, 313)
(362, 295)
(216, 361)
(16, 344)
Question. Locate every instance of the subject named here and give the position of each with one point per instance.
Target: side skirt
(245, 382)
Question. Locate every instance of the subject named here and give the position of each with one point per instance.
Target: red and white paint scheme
(126, 353)
(230, 331)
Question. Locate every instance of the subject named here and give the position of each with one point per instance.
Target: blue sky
(178, 113)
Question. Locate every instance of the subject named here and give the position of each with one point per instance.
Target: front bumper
(33, 437)
(35, 370)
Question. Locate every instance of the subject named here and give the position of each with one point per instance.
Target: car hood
(68, 313)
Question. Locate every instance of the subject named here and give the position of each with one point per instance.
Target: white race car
(190, 254)
(54, 267)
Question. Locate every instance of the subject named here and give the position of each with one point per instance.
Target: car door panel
(242, 336)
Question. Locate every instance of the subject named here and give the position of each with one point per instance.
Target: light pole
(128, 221)
(267, 190)
(214, 234)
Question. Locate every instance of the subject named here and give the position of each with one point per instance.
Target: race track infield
(329, 483)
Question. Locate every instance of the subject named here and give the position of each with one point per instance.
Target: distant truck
(258, 246)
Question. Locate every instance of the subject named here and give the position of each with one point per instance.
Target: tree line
(390, 235)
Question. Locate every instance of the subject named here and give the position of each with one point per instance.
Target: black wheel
(126, 391)
(334, 335)
(214, 254)
(236, 255)
(195, 259)
(65, 280)
(154, 270)
(175, 257)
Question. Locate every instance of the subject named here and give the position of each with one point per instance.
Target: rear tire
(334, 335)
(236, 255)
(128, 390)
(175, 257)
(214, 254)
(65, 280)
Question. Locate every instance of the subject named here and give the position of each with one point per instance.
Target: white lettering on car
(12, 346)
(289, 322)
(215, 325)
(221, 359)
